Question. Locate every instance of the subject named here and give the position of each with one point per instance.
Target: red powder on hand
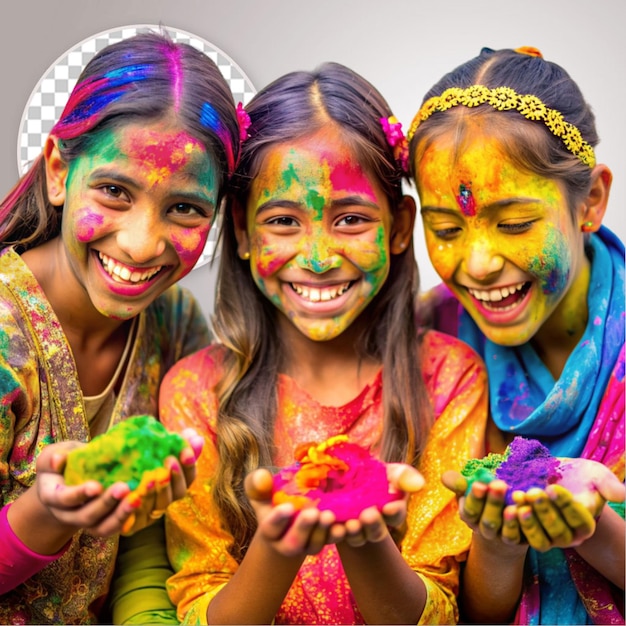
(334, 475)
(526, 463)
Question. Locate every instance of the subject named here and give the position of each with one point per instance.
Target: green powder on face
(122, 454)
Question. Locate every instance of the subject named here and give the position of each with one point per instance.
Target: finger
(611, 488)
(259, 484)
(474, 503)
(511, 532)
(278, 519)
(491, 518)
(373, 524)
(532, 529)
(196, 443)
(319, 537)
(176, 485)
(337, 533)
(404, 477)
(550, 518)
(576, 515)
(296, 539)
(53, 492)
(455, 482)
(394, 513)
(355, 536)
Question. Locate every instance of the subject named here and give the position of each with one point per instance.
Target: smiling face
(318, 231)
(138, 207)
(501, 238)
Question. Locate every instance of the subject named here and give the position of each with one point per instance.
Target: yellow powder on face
(125, 453)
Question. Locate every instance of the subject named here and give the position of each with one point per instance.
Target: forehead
(324, 159)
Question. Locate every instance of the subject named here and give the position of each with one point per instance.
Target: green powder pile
(484, 470)
(122, 454)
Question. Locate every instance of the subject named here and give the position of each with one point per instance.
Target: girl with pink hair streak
(93, 239)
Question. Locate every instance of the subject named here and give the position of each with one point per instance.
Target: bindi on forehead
(465, 200)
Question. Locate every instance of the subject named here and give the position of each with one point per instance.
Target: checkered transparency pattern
(46, 103)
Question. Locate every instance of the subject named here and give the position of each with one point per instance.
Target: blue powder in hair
(209, 117)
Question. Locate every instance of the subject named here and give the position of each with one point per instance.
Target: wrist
(35, 525)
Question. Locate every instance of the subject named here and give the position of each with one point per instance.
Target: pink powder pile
(335, 475)
(526, 463)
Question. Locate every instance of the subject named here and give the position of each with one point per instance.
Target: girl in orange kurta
(314, 316)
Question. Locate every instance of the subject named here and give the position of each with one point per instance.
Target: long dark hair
(145, 77)
(292, 107)
(528, 143)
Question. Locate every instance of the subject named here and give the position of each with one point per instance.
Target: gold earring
(245, 256)
(586, 227)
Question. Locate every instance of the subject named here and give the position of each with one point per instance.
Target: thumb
(259, 484)
(455, 482)
(611, 488)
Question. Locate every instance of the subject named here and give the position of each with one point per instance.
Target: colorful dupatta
(579, 415)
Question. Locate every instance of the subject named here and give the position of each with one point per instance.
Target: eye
(446, 233)
(114, 192)
(351, 220)
(282, 220)
(182, 208)
(515, 228)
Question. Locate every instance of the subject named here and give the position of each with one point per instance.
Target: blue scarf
(525, 399)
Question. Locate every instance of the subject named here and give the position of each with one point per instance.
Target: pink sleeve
(17, 562)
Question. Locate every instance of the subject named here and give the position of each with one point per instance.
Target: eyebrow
(494, 206)
(127, 181)
(340, 202)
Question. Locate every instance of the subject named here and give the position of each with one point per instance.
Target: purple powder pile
(526, 463)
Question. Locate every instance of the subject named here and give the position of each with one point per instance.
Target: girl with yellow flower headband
(512, 201)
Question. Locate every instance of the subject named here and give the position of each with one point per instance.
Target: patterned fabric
(436, 539)
(579, 415)
(41, 403)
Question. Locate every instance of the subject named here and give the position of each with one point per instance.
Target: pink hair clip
(396, 139)
(244, 122)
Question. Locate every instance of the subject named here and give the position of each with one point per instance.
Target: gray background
(402, 46)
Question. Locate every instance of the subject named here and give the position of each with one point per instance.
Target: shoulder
(202, 369)
(187, 396)
(178, 321)
(438, 309)
(449, 364)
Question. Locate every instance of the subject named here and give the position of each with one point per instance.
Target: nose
(481, 261)
(142, 236)
(318, 255)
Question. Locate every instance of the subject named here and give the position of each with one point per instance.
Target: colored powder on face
(125, 453)
(465, 200)
(336, 475)
(526, 463)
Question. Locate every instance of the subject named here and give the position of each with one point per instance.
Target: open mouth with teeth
(124, 274)
(502, 298)
(320, 294)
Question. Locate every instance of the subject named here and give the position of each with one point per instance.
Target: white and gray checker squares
(47, 100)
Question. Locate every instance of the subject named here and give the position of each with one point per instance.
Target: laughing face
(501, 238)
(137, 211)
(318, 229)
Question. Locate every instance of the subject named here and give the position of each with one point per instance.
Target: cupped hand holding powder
(526, 496)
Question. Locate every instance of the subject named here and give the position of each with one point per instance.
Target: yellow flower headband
(506, 99)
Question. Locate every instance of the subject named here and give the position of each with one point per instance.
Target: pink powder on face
(526, 463)
(344, 479)
(87, 223)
